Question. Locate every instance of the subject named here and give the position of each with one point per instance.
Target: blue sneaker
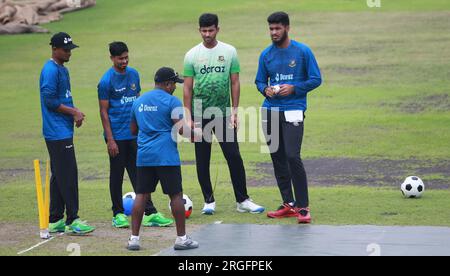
(209, 208)
(249, 207)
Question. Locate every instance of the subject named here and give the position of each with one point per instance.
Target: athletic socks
(182, 238)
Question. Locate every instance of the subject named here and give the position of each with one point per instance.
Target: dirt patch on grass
(378, 173)
(436, 102)
(104, 241)
(92, 178)
(10, 174)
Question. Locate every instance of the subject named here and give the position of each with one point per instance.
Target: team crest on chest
(221, 59)
(133, 86)
(293, 63)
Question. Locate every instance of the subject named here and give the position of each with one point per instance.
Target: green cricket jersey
(211, 69)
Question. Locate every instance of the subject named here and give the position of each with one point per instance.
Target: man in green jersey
(213, 67)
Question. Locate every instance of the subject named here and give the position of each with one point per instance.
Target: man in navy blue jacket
(287, 72)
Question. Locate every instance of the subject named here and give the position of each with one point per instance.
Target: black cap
(167, 74)
(62, 40)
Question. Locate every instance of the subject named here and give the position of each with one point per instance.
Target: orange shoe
(304, 215)
(285, 211)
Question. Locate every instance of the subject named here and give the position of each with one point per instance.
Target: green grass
(385, 96)
(340, 205)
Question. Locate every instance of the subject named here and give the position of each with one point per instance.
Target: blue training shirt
(295, 65)
(153, 113)
(121, 90)
(55, 90)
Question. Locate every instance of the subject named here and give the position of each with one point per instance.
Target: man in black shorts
(154, 117)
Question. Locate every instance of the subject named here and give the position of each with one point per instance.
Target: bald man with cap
(156, 117)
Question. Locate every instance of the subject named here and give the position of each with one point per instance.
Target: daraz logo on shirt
(212, 69)
(125, 100)
(281, 77)
(147, 108)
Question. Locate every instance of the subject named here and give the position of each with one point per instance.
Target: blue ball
(128, 204)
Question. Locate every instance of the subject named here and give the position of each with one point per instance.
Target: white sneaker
(209, 208)
(185, 244)
(134, 244)
(249, 207)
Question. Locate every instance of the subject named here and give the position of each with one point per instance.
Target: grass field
(385, 96)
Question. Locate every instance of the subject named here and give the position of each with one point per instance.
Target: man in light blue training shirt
(154, 117)
(287, 72)
(118, 89)
(58, 117)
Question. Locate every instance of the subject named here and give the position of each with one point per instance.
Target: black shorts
(170, 178)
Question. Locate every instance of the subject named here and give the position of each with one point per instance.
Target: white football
(413, 187)
(188, 206)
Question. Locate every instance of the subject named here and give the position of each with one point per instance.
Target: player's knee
(293, 157)
(176, 197)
